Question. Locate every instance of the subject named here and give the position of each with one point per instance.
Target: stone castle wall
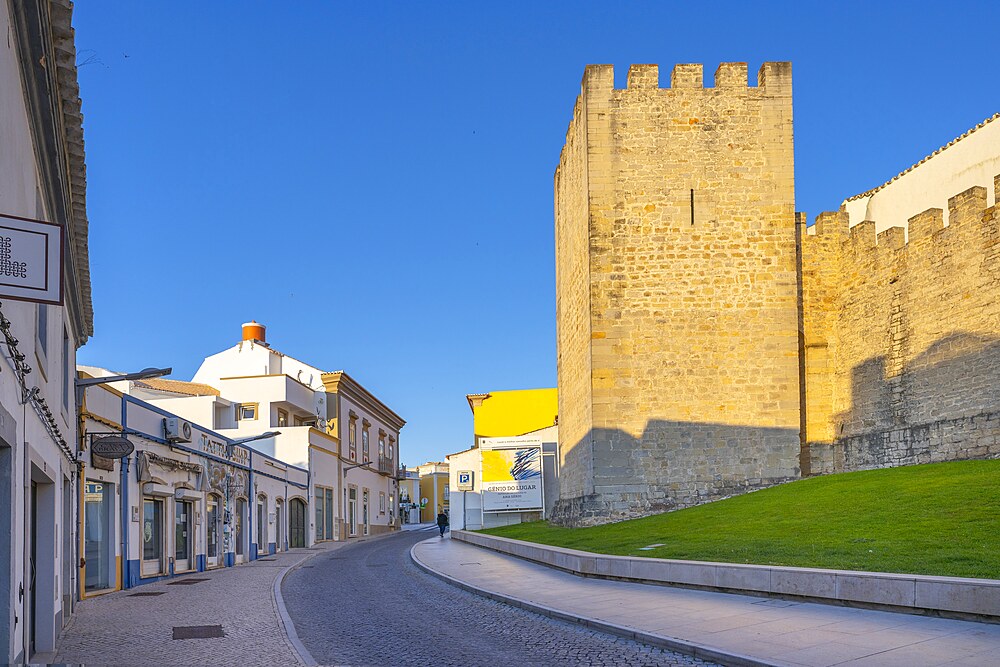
(573, 301)
(902, 338)
(677, 291)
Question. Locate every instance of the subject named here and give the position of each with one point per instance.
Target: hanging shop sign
(112, 447)
(31, 253)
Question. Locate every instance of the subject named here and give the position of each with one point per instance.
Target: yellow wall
(512, 413)
(434, 496)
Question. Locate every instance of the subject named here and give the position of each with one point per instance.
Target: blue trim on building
(200, 559)
(133, 574)
(272, 548)
(125, 519)
(251, 510)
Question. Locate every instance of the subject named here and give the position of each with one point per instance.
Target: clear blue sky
(374, 181)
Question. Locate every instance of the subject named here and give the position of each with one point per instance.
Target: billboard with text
(512, 478)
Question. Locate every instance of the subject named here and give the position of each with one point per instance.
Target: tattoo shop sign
(31, 253)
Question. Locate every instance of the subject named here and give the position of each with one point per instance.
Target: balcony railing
(385, 464)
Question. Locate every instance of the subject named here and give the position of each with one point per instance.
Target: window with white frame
(365, 450)
(246, 412)
(352, 437)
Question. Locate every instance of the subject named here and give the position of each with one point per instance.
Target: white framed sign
(512, 476)
(31, 255)
(465, 480)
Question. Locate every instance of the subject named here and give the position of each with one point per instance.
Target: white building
(475, 501)
(42, 177)
(185, 500)
(967, 161)
(327, 423)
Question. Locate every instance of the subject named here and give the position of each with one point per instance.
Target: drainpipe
(251, 509)
(126, 581)
(26, 585)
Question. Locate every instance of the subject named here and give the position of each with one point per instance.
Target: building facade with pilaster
(42, 178)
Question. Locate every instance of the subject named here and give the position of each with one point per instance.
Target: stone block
(968, 596)
(743, 577)
(805, 582)
(878, 589)
(613, 566)
(649, 569)
(692, 573)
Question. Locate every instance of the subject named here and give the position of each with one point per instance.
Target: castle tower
(676, 288)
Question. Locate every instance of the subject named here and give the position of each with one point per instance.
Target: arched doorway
(296, 523)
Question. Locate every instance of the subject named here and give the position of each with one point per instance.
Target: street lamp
(81, 384)
(251, 438)
(356, 465)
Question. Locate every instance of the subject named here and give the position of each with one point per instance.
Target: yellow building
(505, 421)
(503, 414)
(409, 497)
(433, 487)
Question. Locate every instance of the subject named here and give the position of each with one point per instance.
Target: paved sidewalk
(124, 629)
(769, 631)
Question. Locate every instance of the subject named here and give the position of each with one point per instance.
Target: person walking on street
(442, 522)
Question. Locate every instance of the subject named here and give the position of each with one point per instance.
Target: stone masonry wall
(902, 338)
(687, 202)
(573, 304)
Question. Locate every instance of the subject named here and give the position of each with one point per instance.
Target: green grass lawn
(941, 519)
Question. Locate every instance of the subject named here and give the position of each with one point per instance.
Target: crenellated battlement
(772, 78)
(968, 212)
(668, 199)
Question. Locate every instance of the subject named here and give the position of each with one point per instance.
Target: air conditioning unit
(177, 429)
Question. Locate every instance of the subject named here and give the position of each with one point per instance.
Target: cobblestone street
(368, 604)
(134, 628)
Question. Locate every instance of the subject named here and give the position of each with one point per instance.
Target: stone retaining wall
(913, 593)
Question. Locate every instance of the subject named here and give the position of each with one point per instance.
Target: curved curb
(305, 657)
(292, 637)
(670, 643)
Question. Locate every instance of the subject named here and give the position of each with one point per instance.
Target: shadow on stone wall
(675, 464)
(943, 405)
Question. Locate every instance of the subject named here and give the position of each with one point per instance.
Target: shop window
(262, 524)
(183, 536)
(240, 531)
(212, 530)
(324, 513)
(99, 535)
(152, 536)
(282, 417)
